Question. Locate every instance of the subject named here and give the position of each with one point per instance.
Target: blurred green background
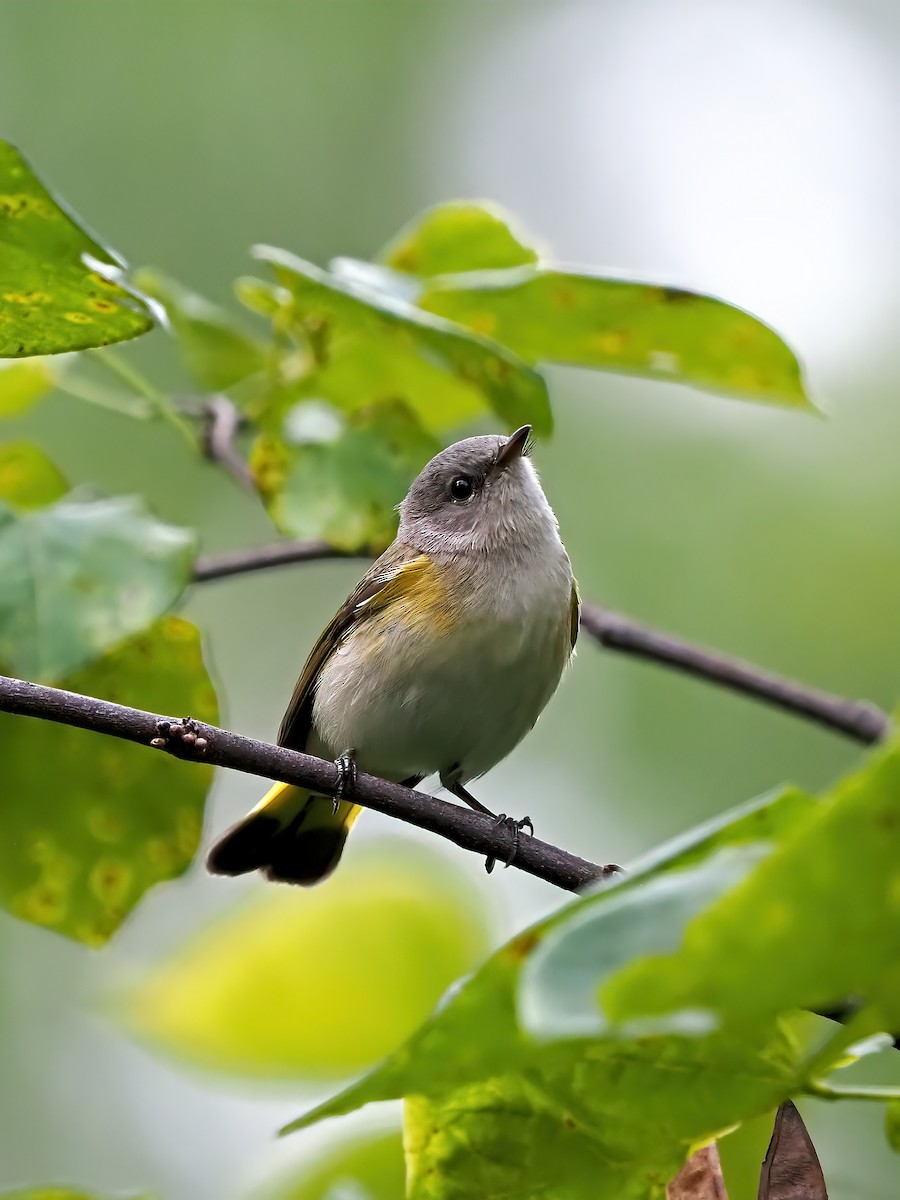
(744, 149)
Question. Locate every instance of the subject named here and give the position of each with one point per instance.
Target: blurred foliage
(59, 286)
(88, 825)
(214, 349)
(322, 984)
(28, 479)
(79, 575)
(892, 1124)
(59, 1193)
(592, 1052)
(23, 383)
(362, 1168)
(457, 237)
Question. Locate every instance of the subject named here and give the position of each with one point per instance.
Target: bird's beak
(513, 449)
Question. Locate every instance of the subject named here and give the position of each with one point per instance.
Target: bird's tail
(292, 836)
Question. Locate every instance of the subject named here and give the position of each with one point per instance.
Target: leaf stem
(138, 383)
(878, 1092)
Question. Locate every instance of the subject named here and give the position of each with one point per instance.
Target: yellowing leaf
(58, 289)
(460, 236)
(28, 479)
(22, 383)
(317, 983)
(588, 320)
(89, 823)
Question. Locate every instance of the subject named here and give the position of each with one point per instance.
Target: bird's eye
(462, 487)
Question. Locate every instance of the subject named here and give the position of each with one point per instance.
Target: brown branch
(276, 554)
(469, 830)
(855, 719)
(221, 424)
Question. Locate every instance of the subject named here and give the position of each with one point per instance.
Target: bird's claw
(345, 764)
(514, 827)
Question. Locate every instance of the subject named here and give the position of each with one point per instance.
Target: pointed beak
(513, 449)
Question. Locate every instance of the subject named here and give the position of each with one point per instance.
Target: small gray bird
(440, 661)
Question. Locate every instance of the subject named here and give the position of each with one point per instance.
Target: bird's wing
(387, 579)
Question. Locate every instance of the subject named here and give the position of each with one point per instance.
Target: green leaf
(365, 346)
(459, 236)
(376, 278)
(213, 346)
(741, 1152)
(58, 286)
(602, 1110)
(561, 980)
(28, 479)
(793, 910)
(319, 983)
(583, 1119)
(586, 320)
(81, 575)
(639, 1102)
(363, 1168)
(89, 823)
(503, 1138)
(23, 383)
(892, 1124)
(345, 490)
(650, 1016)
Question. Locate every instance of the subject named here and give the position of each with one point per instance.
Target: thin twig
(856, 719)
(159, 403)
(469, 830)
(276, 554)
(222, 421)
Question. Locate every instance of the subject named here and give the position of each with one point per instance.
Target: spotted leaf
(89, 823)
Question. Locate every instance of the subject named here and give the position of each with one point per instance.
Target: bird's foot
(345, 764)
(515, 827)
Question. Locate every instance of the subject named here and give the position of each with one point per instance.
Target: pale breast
(417, 696)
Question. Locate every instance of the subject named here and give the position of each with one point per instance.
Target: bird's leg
(346, 781)
(514, 826)
(460, 792)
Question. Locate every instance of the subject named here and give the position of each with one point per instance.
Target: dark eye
(462, 487)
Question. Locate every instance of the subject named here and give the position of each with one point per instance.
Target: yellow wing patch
(414, 594)
(406, 583)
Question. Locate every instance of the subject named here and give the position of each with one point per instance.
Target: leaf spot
(111, 881)
(105, 824)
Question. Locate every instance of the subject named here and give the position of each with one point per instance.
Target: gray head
(478, 494)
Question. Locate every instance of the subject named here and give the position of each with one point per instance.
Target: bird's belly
(458, 702)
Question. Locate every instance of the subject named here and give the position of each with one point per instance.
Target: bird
(439, 662)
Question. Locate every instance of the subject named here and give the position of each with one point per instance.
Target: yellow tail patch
(292, 835)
